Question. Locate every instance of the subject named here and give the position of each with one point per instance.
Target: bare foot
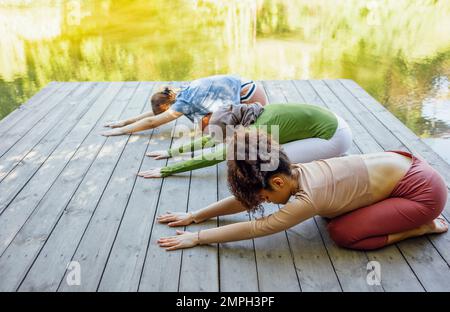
(438, 225)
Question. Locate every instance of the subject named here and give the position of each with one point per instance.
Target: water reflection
(399, 51)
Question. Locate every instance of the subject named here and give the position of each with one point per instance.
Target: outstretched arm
(193, 145)
(201, 161)
(145, 123)
(125, 122)
(226, 206)
(291, 214)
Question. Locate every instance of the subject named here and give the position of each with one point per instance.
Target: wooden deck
(69, 194)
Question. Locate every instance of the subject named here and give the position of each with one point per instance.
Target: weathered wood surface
(69, 194)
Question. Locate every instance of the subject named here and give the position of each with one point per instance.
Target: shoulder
(180, 106)
(172, 112)
(298, 209)
(302, 198)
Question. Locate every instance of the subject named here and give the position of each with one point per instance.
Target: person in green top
(306, 132)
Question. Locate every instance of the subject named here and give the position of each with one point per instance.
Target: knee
(340, 234)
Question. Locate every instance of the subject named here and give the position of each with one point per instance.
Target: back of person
(206, 95)
(342, 184)
(385, 171)
(298, 121)
(336, 185)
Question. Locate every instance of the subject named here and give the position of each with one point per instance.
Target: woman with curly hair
(197, 101)
(373, 200)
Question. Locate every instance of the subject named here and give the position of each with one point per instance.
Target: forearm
(223, 234)
(291, 214)
(202, 161)
(141, 125)
(227, 206)
(138, 117)
(193, 145)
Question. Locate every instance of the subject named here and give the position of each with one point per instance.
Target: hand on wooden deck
(152, 173)
(176, 218)
(183, 239)
(158, 154)
(115, 124)
(112, 132)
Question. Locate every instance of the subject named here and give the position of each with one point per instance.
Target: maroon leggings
(418, 198)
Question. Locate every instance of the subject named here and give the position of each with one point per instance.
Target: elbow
(270, 225)
(148, 123)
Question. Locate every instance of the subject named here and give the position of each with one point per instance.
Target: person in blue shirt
(197, 101)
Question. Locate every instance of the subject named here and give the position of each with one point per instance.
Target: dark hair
(245, 177)
(162, 100)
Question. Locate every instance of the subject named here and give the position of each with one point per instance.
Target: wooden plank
(30, 164)
(315, 270)
(44, 247)
(442, 241)
(273, 92)
(275, 264)
(276, 270)
(238, 267)
(384, 253)
(353, 101)
(52, 124)
(314, 267)
(367, 118)
(28, 107)
(200, 261)
(426, 272)
(397, 272)
(402, 132)
(427, 263)
(286, 91)
(409, 140)
(22, 250)
(367, 109)
(50, 266)
(120, 273)
(350, 266)
(15, 213)
(161, 270)
(36, 120)
(117, 262)
(114, 243)
(380, 134)
(361, 136)
(200, 265)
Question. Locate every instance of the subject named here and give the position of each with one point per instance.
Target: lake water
(399, 51)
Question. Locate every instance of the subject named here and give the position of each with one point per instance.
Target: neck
(294, 184)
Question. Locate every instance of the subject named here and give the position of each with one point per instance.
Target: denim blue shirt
(206, 95)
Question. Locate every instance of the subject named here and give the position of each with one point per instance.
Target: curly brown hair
(245, 177)
(162, 100)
